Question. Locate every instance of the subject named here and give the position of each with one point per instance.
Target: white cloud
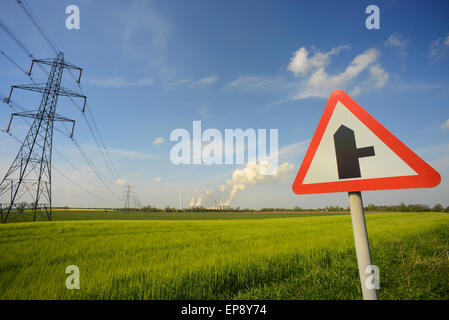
(195, 83)
(291, 151)
(446, 41)
(158, 141)
(378, 76)
(119, 82)
(179, 82)
(142, 19)
(256, 82)
(321, 84)
(420, 85)
(439, 48)
(205, 81)
(131, 154)
(310, 67)
(396, 40)
(120, 182)
(445, 125)
(434, 150)
(300, 62)
(438, 154)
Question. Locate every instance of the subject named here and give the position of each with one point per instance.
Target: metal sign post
(361, 243)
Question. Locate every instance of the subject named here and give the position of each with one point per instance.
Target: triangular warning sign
(352, 151)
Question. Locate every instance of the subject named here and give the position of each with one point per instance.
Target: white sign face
(352, 151)
(384, 162)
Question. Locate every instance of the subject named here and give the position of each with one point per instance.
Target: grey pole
(361, 243)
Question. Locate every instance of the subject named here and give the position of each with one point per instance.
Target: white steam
(192, 202)
(250, 175)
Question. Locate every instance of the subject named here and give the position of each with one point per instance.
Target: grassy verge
(73, 215)
(278, 258)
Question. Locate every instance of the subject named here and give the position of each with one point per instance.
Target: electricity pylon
(29, 178)
(128, 193)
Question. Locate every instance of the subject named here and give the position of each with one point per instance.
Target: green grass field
(222, 256)
(139, 215)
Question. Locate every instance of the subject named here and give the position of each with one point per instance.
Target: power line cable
(74, 168)
(87, 121)
(35, 20)
(97, 172)
(97, 143)
(114, 169)
(13, 62)
(79, 186)
(101, 145)
(20, 44)
(15, 39)
(28, 52)
(60, 172)
(18, 108)
(92, 165)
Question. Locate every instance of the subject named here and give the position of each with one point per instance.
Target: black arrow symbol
(347, 153)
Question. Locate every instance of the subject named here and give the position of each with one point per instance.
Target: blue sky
(154, 66)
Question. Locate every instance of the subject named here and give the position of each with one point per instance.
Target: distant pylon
(28, 180)
(128, 193)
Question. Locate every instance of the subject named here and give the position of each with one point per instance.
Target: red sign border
(426, 177)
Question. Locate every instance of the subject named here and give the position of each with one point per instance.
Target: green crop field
(222, 256)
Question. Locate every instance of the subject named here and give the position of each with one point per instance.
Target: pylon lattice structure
(27, 183)
(128, 194)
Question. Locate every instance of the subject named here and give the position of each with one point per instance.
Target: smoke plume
(250, 175)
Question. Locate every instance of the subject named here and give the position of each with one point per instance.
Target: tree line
(370, 207)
